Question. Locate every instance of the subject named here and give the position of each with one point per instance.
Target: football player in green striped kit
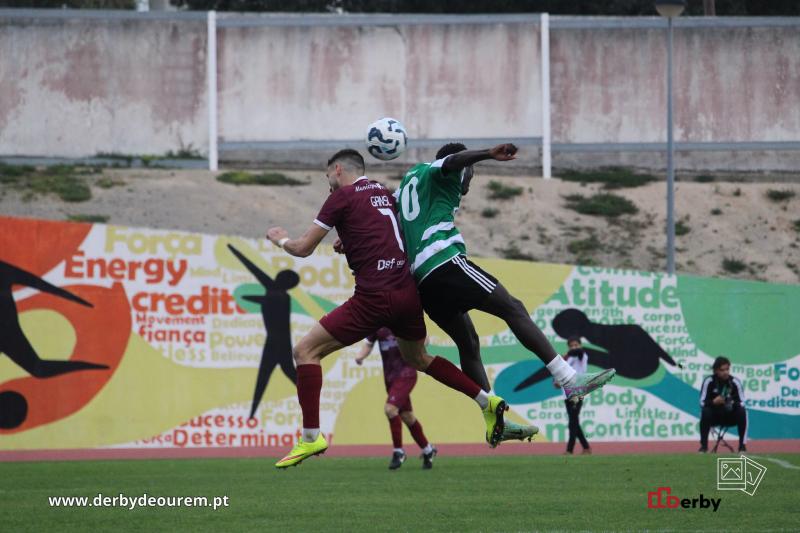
(450, 285)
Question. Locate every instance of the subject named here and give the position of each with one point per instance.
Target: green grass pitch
(508, 493)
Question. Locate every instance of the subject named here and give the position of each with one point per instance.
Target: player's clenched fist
(276, 234)
(338, 246)
(503, 152)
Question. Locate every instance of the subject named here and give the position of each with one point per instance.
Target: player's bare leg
(396, 428)
(308, 354)
(428, 450)
(447, 373)
(462, 331)
(503, 305)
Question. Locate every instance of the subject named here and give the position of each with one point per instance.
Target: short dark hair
(449, 149)
(349, 157)
(574, 338)
(720, 361)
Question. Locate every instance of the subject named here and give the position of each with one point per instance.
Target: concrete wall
(730, 84)
(290, 83)
(76, 86)
(79, 87)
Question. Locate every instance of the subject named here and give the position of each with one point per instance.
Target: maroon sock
(309, 385)
(419, 436)
(397, 431)
(447, 373)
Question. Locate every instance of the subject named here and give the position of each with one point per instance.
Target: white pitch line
(779, 462)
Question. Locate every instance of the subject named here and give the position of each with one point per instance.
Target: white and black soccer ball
(386, 139)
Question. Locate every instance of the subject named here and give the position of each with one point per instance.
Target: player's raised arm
(329, 215)
(466, 158)
(302, 246)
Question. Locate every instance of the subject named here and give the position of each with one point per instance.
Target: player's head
(574, 342)
(467, 173)
(722, 367)
(344, 167)
(450, 149)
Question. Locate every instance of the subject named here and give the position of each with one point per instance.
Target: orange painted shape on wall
(102, 336)
(45, 245)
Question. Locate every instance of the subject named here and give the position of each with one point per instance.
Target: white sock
(561, 371)
(310, 434)
(483, 399)
(399, 450)
(427, 449)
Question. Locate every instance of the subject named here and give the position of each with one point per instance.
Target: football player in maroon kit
(399, 378)
(363, 213)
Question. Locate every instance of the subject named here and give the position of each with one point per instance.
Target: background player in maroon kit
(363, 213)
(399, 379)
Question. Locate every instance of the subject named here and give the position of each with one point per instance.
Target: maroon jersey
(364, 216)
(394, 366)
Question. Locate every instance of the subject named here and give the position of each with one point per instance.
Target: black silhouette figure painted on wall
(276, 310)
(13, 342)
(13, 409)
(628, 347)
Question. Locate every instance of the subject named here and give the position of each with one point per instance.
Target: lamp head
(670, 8)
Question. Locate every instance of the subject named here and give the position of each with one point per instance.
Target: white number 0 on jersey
(409, 200)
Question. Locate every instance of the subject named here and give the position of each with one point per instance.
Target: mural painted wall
(125, 337)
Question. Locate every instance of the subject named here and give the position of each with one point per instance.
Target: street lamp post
(670, 9)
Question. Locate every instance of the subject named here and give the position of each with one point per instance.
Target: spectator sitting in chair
(722, 402)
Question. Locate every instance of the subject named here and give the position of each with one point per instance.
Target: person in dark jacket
(722, 403)
(578, 359)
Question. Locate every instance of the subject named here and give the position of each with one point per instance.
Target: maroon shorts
(365, 313)
(399, 391)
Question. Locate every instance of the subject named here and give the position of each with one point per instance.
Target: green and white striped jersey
(428, 200)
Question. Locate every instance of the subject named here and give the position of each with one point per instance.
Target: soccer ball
(386, 139)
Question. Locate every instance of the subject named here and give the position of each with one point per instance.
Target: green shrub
(734, 266)
(610, 177)
(65, 181)
(106, 183)
(490, 212)
(604, 204)
(500, 191)
(782, 195)
(682, 228)
(71, 189)
(584, 246)
(246, 178)
(184, 153)
(12, 173)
